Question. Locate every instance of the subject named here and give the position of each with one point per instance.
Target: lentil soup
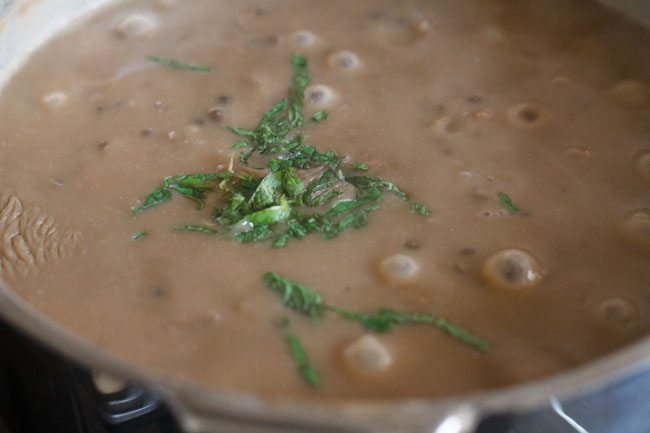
(335, 200)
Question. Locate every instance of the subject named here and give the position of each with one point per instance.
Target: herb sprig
(311, 304)
(196, 228)
(139, 235)
(176, 64)
(508, 203)
(302, 190)
(300, 357)
(192, 186)
(296, 296)
(385, 319)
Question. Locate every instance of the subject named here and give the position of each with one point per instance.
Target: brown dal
(453, 100)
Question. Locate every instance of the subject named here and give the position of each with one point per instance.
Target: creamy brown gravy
(434, 105)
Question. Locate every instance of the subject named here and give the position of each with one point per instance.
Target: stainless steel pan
(26, 24)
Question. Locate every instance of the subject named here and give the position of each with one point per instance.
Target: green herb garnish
(303, 365)
(157, 197)
(421, 209)
(320, 116)
(311, 304)
(196, 228)
(192, 186)
(301, 191)
(175, 64)
(139, 235)
(296, 296)
(507, 203)
(385, 319)
(369, 185)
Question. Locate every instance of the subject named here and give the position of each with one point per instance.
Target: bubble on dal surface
(320, 96)
(643, 164)
(528, 115)
(618, 312)
(446, 125)
(512, 269)
(630, 94)
(398, 268)
(136, 25)
(367, 355)
(303, 39)
(636, 228)
(344, 60)
(216, 114)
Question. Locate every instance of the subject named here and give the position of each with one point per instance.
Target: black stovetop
(41, 392)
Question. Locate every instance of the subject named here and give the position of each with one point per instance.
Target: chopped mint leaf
(310, 303)
(320, 116)
(196, 228)
(421, 209)
(269, 215)
(296, 296)
(256, 234)
(282, 241)
(508, 204)
(139, 235)
(385, 319)
(299, 354)
(154, 199)
(267, 193)
(175, 64)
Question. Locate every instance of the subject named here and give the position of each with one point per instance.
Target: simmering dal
(482, 217)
